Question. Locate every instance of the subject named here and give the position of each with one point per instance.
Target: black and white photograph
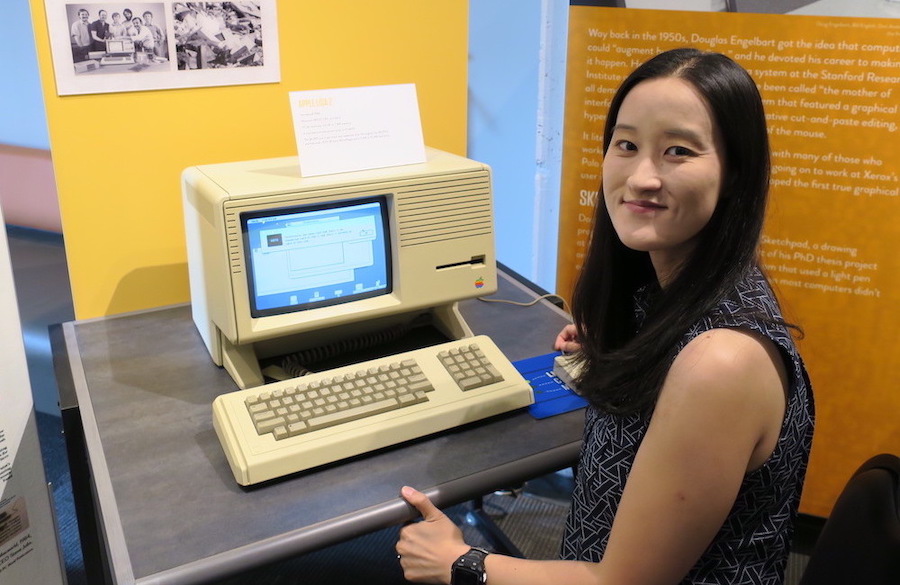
(104, 47)
(218, 34)
(114, 37)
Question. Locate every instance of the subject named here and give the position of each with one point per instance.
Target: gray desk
(166, 505)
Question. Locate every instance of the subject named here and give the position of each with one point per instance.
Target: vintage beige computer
(118, 52)
(286, 269)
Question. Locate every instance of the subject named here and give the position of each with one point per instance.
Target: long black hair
(625, 365)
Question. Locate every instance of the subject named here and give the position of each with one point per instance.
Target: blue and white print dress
(753, 544)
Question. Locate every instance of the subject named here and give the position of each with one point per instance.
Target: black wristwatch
(469, 568)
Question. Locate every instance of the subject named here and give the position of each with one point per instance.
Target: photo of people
(123, 45)
(218, 34)
(112, 37)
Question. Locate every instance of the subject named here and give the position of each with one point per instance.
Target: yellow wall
(118, 157)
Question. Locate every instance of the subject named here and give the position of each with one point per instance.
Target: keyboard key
(371, 409)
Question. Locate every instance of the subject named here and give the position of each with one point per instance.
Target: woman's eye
(626, 145)
(679, 151)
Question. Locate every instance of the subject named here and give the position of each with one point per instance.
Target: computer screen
(311, 256)
(280, 264)
(120, 46)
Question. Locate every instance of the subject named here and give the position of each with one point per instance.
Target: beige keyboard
(295, 425)
(117, 60)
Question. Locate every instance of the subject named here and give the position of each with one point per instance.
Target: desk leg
(500, 542)
(96, 565)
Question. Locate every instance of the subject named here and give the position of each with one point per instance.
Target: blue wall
(22, 121)
(503, 104)
(516, 75)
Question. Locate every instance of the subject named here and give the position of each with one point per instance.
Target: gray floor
(532, 516)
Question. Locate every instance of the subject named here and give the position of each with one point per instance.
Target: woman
(701, 416)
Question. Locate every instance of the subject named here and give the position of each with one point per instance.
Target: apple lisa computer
(332, 303)
(118, 52)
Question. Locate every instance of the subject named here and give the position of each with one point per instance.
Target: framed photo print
(103, 47)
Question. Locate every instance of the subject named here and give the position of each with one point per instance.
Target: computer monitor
(119, 46)
(309, 256)
(280, 263)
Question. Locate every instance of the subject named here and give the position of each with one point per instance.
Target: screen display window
(305, 257)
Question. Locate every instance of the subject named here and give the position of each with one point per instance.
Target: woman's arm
(718, 416)
(428, 548)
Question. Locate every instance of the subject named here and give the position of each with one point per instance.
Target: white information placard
(29, 552)
(358, 128)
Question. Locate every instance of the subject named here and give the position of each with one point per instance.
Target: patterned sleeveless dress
(753, 544)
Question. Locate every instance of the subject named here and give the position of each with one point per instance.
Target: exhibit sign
(29, 550)
(103, 47)
(830, 87)
(357, 128)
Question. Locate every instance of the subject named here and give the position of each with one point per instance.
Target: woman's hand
(428, 549)
(567, 340)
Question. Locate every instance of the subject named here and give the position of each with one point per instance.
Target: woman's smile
(643, 206)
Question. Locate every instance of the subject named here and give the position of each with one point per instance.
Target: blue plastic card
(551, 395)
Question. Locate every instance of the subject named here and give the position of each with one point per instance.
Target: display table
(136, 392)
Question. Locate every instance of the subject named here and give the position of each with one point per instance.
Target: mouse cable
(565, 304)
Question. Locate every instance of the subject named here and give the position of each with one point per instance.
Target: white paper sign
(29, 553)
(357, 128)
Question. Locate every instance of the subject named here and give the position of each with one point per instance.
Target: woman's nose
(644, 175)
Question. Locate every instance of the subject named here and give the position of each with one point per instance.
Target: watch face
(469, 568)
(465, 576)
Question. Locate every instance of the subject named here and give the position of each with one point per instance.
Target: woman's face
(662, 172)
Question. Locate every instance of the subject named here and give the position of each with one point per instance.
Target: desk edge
(109, 520)
(368, 520)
